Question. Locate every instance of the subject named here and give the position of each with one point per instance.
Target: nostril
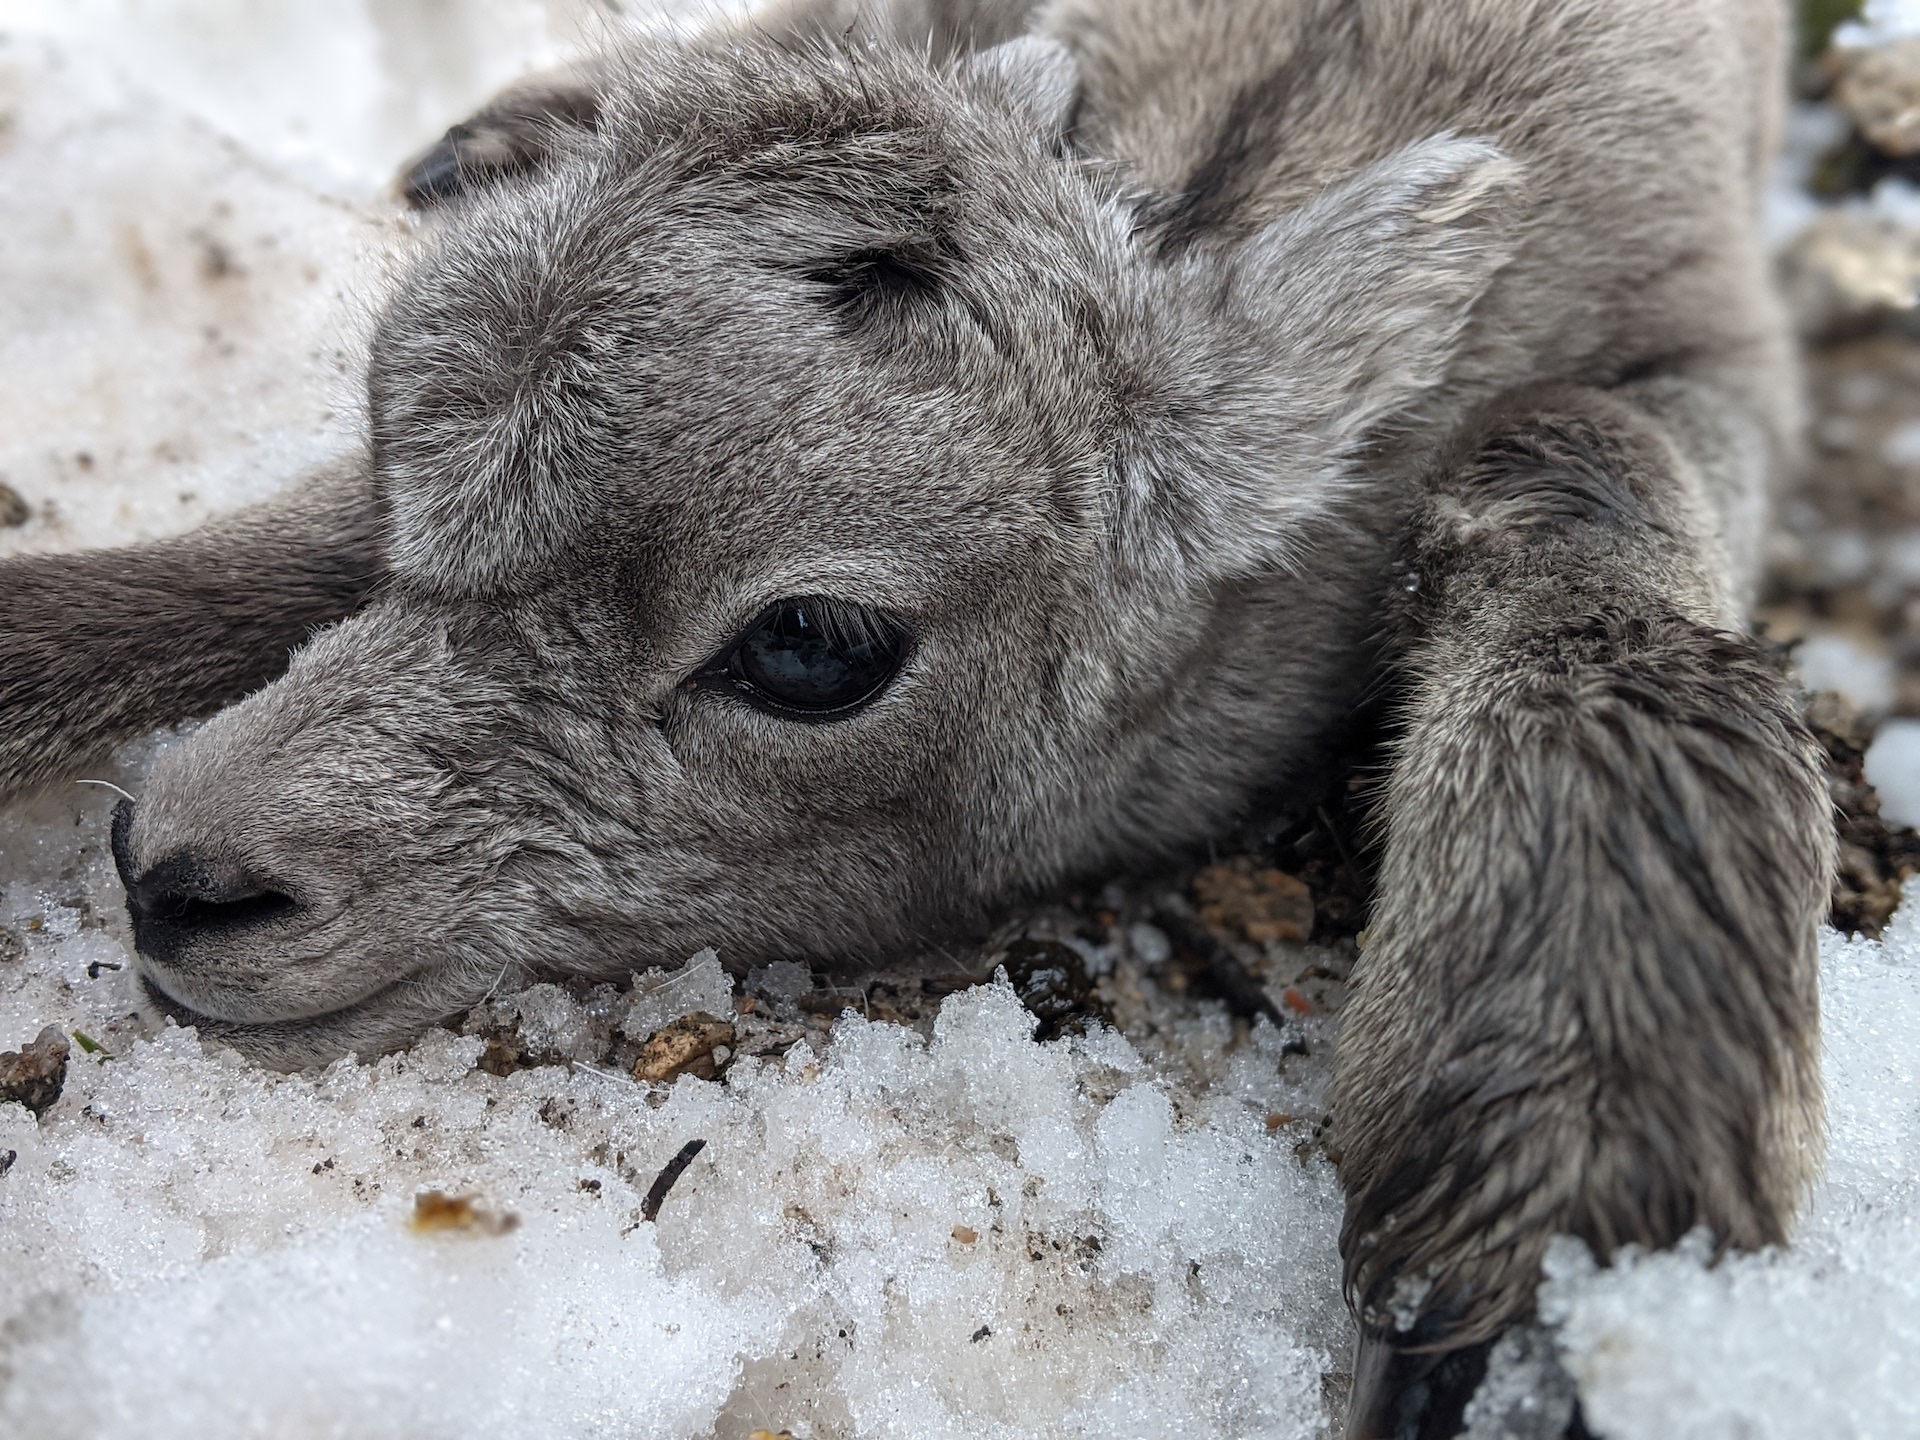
(198, 911)
(190, 892)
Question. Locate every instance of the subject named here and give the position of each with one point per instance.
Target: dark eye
(812, 658)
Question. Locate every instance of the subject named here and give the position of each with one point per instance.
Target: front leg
(1588, 1001)
(104, 645)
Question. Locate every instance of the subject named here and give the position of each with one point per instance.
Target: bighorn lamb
(833, 476)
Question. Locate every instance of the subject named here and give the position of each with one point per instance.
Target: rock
(1263, 904)
(1052, 982)
(13, 510)
(691, 1045)
(1879, 89)
(1850, 269)
(437, 1213)
(33, 1076)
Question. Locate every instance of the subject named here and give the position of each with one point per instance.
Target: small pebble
(34, 1075)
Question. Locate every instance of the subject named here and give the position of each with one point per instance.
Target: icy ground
(975, 1235)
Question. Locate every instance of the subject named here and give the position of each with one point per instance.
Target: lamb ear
(1036, 75)
(1362, 293)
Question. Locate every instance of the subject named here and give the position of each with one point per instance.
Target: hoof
(436, 176)
(1423, 1395)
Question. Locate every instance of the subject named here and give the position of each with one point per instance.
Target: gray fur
(98, 647)
(1254, 351)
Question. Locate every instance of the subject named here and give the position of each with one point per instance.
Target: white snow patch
(1835, 661)
(178, 328)
(339, 94)
(1893, 769)
(1880, 22)
(976, 1236)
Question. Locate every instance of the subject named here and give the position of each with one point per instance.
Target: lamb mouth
(324, 1035)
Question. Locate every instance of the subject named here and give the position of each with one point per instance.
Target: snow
(337, 94)
(1893, 769)
(1880, 21)
(177, 319)
(1837, 661)
(967, 1233)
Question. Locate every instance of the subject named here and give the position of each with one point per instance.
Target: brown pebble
(684, 1048)
(501, 1057)
(435, 1212)
(1261, 903)
(965, 1234)
(33, 1076)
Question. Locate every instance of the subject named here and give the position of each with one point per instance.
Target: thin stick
(676, 1167)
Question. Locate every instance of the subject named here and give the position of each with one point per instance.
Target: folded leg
(103, 645)
(1588, 1000)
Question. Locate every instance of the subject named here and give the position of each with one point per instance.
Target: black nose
(186, 895)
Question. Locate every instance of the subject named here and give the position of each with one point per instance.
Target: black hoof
(1412, 1394)
(1424, 1395)
(512, 136)
(436, 176)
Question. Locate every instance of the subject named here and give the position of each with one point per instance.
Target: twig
(675, 1168)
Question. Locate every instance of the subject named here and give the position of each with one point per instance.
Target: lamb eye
(814, 658)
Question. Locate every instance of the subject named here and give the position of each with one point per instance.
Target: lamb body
(1153, 382)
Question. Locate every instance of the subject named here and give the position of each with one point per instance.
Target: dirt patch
(1875, 857)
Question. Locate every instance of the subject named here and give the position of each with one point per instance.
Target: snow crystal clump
(973, 1236)
(1527, 1394)
(662, 996)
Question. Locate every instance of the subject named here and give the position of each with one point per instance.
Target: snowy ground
(1107, 1236)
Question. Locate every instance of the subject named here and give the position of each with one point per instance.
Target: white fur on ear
(1367, 287)
(1035, 73)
